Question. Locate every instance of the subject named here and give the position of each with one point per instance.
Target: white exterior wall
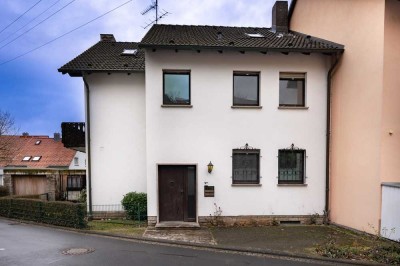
(390, 217)
(1, 177)
(117, 129)
(81, 161)
(211, 129)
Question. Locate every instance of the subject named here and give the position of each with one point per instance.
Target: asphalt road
(27, 244)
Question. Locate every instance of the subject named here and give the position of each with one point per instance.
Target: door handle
(182, 191)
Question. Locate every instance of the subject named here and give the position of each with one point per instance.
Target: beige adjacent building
(365, 117)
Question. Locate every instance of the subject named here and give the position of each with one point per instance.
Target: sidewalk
(305, 241)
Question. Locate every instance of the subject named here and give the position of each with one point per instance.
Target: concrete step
(177, 225)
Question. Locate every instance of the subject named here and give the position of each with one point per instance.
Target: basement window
(36, 158)
(255, 35)
(26, 158)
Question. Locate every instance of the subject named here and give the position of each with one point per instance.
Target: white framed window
(36, 158)
(26, 158)
(76, 161)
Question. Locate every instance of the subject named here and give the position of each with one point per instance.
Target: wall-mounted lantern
(210, 167)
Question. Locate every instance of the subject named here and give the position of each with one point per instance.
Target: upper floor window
(176, 88)
(292, 89)
(76, 161)
(246, 91)
(291, 166)
(246, 166)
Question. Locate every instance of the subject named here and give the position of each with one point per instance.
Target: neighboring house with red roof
(31, 165)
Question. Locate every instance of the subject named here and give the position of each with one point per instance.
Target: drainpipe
(328, 130)
(88, 154)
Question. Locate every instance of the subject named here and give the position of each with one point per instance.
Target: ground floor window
(291, 165)
(246, 165)
(76, 182)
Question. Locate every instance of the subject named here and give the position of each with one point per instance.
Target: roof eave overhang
(256, 49)
(79, 73)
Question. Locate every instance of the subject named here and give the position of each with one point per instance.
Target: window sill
(246, 185)
(245, 107)
(292, 185)
(293, 107)
(176, 106)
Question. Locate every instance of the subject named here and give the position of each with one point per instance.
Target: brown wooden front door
(177, 193)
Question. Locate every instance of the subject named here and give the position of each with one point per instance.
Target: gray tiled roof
(105, 56)
(225, 38)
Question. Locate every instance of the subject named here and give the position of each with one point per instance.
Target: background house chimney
(25, 134)
(107, 38)
(57, 136)
(280, 17)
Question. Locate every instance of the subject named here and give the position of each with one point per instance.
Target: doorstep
(177, 225)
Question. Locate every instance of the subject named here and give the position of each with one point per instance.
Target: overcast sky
(39, 97)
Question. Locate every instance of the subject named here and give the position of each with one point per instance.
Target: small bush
(3, 191)
(382, 252)
(83, 196)
(55, 212)
(135, 205)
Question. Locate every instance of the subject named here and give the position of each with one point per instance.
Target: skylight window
(129, 52)
(38, 142)
(36, 158)
(26, 158)
(255, 35)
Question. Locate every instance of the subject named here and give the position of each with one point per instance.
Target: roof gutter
(227, 48)
(88, 152)
(337, 58)
(79, 72)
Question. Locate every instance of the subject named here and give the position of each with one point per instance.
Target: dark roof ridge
(198, 37)
(222, 26)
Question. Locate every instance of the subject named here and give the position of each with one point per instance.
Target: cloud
(33, 81)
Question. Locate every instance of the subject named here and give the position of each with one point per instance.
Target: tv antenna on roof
(154, 6)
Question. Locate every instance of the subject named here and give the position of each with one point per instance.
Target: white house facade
(212, 127)
(220, 122)
(78, 162)
(118, 149)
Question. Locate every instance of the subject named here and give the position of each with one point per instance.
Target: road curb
(221, 248)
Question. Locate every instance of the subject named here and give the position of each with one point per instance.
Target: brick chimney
(280, 22)
(107, 38)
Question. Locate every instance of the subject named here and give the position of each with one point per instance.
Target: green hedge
(3, 191)
(50, 212)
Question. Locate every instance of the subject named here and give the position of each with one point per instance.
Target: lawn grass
(363, 247)
(119, 227)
